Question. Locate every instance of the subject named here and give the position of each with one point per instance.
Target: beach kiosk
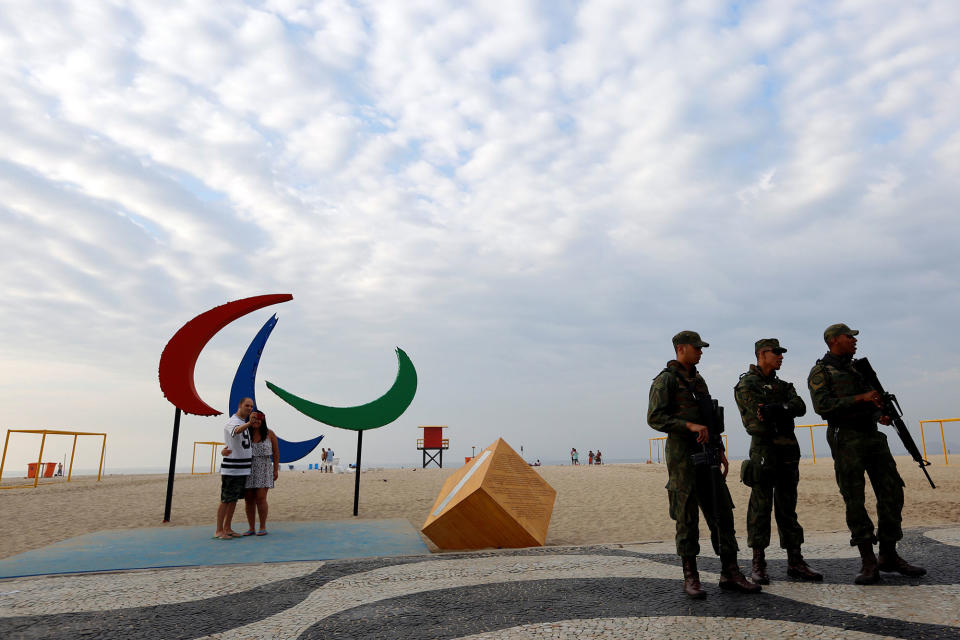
(434, 441)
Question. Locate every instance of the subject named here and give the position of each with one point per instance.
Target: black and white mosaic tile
(606, 591)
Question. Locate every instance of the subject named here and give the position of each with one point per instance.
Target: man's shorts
(232, 488)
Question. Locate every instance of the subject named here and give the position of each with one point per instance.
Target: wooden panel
(432, 437)
(495, 501)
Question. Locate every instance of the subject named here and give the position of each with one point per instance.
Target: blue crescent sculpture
(243, 387)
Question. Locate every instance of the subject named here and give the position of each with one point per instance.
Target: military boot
(759, 572)
(869, 571)
(891, 562)
(798, 568)
(691, 579)
(731, 578)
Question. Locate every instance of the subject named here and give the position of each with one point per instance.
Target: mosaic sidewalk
(606, 591)
(187, 546)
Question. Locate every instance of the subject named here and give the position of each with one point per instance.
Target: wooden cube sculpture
(496, 500)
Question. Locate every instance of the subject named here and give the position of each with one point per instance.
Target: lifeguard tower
(434, 441)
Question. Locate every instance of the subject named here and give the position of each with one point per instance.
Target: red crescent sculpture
(179, 357)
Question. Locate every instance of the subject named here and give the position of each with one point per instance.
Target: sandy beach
(610, 503)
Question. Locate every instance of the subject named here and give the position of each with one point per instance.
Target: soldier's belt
(860, 425)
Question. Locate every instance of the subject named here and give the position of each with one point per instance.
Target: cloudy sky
(529, 197)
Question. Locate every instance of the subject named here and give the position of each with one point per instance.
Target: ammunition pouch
(762, 472)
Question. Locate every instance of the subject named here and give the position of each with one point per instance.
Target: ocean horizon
(302, 466)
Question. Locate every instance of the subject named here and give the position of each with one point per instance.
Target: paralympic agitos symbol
(178, 362)
(179, 359)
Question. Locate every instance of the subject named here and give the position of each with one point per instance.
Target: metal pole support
(356, 484)
(173, 465)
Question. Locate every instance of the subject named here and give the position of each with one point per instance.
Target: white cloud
(531, 198)
(763, 184)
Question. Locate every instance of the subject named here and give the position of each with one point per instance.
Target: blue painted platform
(191, 546)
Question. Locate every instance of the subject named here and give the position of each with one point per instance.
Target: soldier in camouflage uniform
(851, 408)
(768, 406)
(674, 409)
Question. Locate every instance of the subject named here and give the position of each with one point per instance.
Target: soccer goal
(213, 455)
(35, 471)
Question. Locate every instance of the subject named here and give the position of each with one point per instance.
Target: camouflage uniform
(857, 447)
(773, 472)
(672, 405)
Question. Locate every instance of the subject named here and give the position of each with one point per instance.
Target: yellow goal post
(813, 449)
(43, 440)
(213, 456)
(943, 440)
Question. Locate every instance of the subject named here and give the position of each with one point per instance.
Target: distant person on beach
(323, 460)
(768, 406)
(679, 402)
(851, 408)
(264, 470)
(596, 458)
(576, 457)
(573, 456)
(234, 469)
(329, 461)
(590, 458)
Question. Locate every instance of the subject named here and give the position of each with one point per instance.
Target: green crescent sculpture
(372, 415)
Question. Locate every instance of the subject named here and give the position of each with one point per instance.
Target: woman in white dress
(264, 469)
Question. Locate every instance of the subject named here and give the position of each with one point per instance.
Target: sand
(607, 504)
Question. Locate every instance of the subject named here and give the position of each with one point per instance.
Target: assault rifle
(890, 407)
(711, 414)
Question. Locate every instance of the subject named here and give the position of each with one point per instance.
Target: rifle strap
(742, 376)
(828, 381)
(685, 385)
(679, 379)
(827, 376)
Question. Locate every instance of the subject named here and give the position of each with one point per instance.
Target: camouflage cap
(768, 343)
(835, 330)
(689, 337)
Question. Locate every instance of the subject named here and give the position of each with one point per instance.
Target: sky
(530, 198)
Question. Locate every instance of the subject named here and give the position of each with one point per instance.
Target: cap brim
(703, 344)
(779, 351)
(853, 332)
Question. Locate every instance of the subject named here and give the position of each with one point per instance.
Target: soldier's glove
(777, 415)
